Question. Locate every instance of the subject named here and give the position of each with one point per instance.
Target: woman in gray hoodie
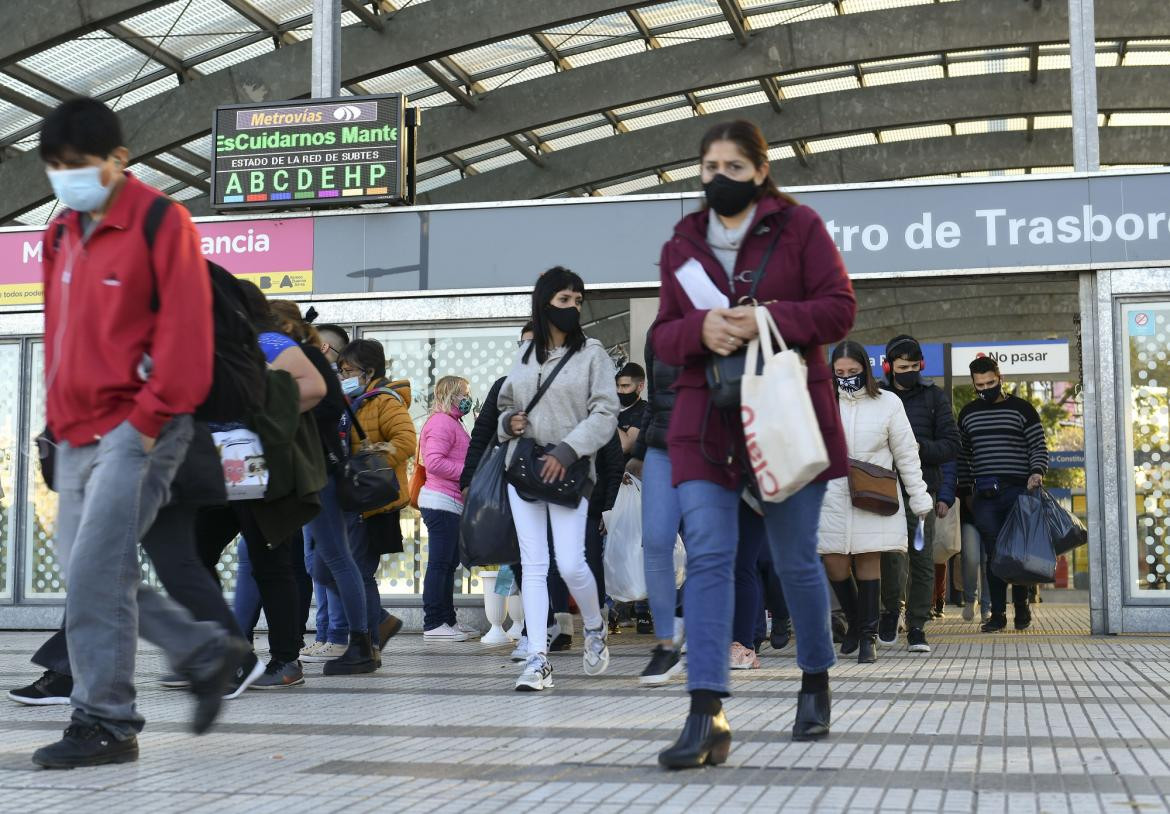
(575, 418)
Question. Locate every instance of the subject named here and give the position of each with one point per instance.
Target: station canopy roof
(547, 98)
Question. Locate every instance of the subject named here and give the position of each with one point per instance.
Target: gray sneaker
(596, 657)
(537, 675)
(280, 675)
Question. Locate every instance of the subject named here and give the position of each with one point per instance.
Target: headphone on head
(887, 365)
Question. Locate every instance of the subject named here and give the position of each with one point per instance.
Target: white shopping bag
(245, 472)
(948, 536)
(625, 574)
(780, 427)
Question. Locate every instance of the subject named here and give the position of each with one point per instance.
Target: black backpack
(238, 376)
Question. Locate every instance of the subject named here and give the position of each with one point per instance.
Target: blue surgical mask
(464, 406)
(79, 189)
(352, 386)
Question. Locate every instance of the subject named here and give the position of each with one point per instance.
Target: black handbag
(524, 469)
(724, 373)
(366, 481)
(487, 535)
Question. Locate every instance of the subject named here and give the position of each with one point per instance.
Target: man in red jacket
(128, 358)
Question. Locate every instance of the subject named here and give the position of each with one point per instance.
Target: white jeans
(568, 532)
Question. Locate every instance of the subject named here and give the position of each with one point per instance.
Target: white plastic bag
(948, 536)
(625, 574)
(780, 427)
(245, 472)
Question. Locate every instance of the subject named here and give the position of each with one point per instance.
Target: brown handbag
(873, 488)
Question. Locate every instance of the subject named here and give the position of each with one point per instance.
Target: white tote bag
(245, 472)
(784, 444)
(948, 536)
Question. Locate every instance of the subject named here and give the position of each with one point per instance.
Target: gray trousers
(109, 494)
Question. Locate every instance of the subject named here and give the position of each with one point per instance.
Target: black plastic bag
(1023, 550)
(1066, 528)
(487, 535)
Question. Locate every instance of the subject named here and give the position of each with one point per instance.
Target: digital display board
(322, 152)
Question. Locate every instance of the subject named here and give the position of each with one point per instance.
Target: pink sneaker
(743, 658)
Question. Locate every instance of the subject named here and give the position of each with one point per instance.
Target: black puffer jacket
(660, 398)
(929, 411)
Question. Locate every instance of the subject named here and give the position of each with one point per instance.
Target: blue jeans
(330, 622)
(990, 515)
(246, 602)
(367, 563)
(749, 597)
(711, 516)
(442, 560)
(332, 554)
(974, 566)
(661, 519)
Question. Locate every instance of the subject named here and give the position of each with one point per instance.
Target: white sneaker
(596, 657)
(537, 675)
(680, 632)
(444, 633)
(469, 631)
(324, 651)
(521, 651)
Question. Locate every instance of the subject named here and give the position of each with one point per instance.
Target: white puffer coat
(877, 432)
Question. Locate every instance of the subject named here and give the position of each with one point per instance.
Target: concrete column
(326, 63)
(1083, 45)
(642, 315)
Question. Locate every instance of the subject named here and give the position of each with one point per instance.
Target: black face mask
(627, 399)
(991, 395)
(851, 384)
(729, 197)
(565, 319)
(907, 380)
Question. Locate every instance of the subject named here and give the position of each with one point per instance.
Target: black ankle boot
(358, 658)
(705, 739)
(868, 611)
(846, 591)
(813, 710)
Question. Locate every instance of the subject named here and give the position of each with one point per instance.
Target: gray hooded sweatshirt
(579, 411)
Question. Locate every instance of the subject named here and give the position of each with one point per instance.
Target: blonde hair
(289, 321)
(448, 391)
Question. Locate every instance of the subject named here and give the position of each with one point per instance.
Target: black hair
(333, 329)
(84, 126)
(903, 346)
(259, 312)
(984, 364)
(548, 284)
(634, 370)
(528, 328)
(367, 355)
(857, 352)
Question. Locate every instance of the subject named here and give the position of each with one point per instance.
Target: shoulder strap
(150, 226)
(781, 222)
(547, 382)
(379, 391)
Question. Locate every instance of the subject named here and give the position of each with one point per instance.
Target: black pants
(170, 544)
(595, 553)
(274, 570)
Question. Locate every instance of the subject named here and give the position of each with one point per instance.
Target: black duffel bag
(366, 481)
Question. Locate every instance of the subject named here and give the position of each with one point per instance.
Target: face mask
(565, 319)
(352, 386)
(907, 380)
(991, 394)
(464, 406)
(79, 189)
(729, 197)
(627, 399)
(851, 384)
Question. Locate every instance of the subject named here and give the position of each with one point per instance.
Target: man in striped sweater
(1004, 454)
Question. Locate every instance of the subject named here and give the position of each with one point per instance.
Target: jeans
(110, 493)
(711, 517)
(661, 521)
(909, 575)
(568, 533)
(990, 515)
(974, 567)
(749, 599)
(246, 602)
(442, 560)
(332, 553)
(367, 563)
(773, 593)
(330, 622)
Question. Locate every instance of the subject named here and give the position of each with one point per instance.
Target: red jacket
(814, 306)
(100, 325)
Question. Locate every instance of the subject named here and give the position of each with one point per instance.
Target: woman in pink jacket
(442, 450)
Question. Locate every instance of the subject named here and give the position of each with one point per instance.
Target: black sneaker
(781, 636)
(247, 673)
(995, 623)
(211, 688)
(561, 643)
(1023, 618)
(840, 627)
(86, 745)
(51, 688)
(888, 628)
(279, 675)
(664, 663)
(916, 641)
(644, 624)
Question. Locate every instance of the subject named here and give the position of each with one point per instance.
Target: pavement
(1050, 720)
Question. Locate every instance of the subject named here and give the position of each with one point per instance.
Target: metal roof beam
(735, 19)
(547, 46)
(262, 21)
(368, 17)
(160, 55)
(25, 31)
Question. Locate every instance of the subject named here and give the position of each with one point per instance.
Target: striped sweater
(1003, 440)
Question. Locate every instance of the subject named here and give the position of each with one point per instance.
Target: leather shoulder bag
(527, 462)
(724, 373)
(873, 488)
(366, 481)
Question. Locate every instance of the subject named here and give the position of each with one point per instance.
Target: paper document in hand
(703, 293)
